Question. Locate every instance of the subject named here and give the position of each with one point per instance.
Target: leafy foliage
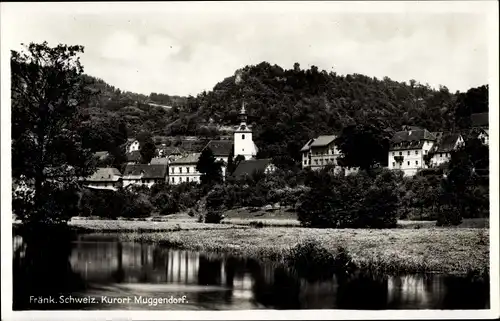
(210, 169)
(47, 151)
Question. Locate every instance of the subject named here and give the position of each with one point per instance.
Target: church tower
(243, 142)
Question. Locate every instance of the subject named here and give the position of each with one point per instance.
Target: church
(242, 138)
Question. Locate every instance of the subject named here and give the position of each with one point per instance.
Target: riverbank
(436, 250)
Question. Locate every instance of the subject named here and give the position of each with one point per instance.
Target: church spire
(243, 114)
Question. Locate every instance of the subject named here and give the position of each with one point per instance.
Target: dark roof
(479, 120)
(134, 156)
(146, 171)
(188, 159)
(446, 142)
(159, 161)
(248, 167)
(105, 174)
(220, 147)
(320, 141)
(410, 139)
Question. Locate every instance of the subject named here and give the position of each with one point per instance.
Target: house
(134, 157)
(183, 169)
(408, 148)
(242, 138)
(144, 174)
(108, 178)
(319, 152)
(446, 142)
(249, 167)
(480, 126)
(171, 153)
(132, 145)
(221, 150)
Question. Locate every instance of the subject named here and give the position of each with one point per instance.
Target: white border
(14, 10)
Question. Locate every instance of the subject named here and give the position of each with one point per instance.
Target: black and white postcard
(249, 160)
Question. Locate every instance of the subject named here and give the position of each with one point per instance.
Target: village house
(480, 126)
(106, 178)
(132, 145)
(319, 152)
(249, 167)
(242, 138)
(183, 169)
(445, 144)
(408, 148)
(145, 174)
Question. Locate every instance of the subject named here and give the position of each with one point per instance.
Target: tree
(210, 169)
(363, 146)
(48, 91)
(148, 147)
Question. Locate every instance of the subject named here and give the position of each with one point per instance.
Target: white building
(243, 142)
(445, 144)
(183, 169)
(104, 178)
(144, 175)
(408, 148)
(132, 145)
(319, 152)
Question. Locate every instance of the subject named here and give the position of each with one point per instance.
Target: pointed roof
(188, 159)
(220, 147)
(157, 171)
(248, 167)
(105, 174)
(446, 142)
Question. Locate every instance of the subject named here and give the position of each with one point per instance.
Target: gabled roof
(479, 120)
(323, 140)
(101, 155)
(105, 174)
(159, 161)
(248, 167)
(320, 141)
(412, 135)
(220, 147)
(188, 159)
(156, 171)
(446, 142)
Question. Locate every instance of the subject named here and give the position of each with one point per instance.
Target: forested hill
(287, 107)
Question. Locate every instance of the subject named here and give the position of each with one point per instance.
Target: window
(180, 179)
(393, 164)
(416, 163)
(316, 161)
(440, 154)
(173, 170)
(425, 152)
(187, 170)
(321, 161)
(187, 179)
(173, 179)
(408, 153)
(393, 153)
(243, 136)
(416, 152)
(400, 153)
(408, 163)
(305, 162)
(180, 170)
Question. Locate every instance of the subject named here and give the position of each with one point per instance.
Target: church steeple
(243, 114)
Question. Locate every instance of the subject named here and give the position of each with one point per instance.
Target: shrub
(214, 216)
(311, 260)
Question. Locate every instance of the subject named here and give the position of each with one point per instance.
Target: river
(99, 272)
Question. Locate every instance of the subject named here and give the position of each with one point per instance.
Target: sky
(186, 48)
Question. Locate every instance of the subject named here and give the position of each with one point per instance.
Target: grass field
(445, 250)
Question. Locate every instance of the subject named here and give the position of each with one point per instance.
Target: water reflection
(96, 266)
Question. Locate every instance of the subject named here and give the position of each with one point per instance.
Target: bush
(311, 260)
(214, 216)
